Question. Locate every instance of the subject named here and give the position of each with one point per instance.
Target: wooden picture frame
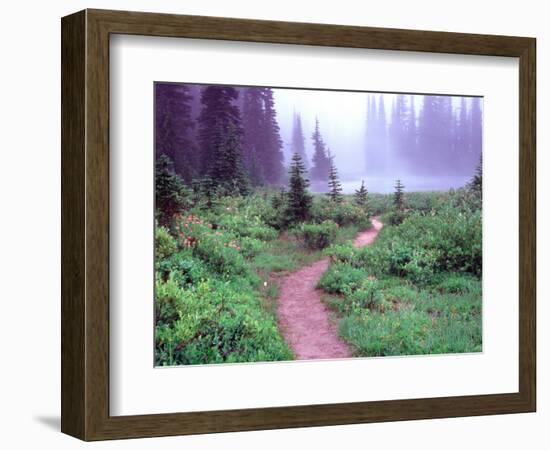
(85, 224)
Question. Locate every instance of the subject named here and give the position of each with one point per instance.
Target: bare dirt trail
(304, 319)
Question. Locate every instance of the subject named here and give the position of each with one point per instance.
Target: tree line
(229, 136)
(425, 140)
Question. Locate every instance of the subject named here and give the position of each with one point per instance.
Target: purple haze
(430, 142)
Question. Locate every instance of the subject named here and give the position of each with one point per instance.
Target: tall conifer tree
(272, 152)
(382, 136)
(227, 170)
(219, 114)
(174, 128)
(253, 121)
(297, 144)
(321, 162)
(298, 198)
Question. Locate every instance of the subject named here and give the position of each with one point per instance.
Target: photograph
(314, 224)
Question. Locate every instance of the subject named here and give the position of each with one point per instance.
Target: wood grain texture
(73, 109)
(85, 224)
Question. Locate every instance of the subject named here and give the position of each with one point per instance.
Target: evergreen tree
(370, 134)
(361, 196)
(174, 128)
(219, 114)
(476, 185)
(171, 196)
(271, 158)
(382, 141)
(462, 136)
(297, 144)
(321, 162)
(252, 120)
(397, 129)
(298, 198)
(227, 169)
(335, 187)
(435, 134)
(204, 189)
(262, 143)
(398, 200)
(377, 139)
(402, 132)
(278, 200)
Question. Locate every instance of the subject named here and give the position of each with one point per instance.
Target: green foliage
(318, 236)
(298, 198)
(415, 322)
(165, 244)
(214, 322)
(334, 185)
(211, 306)
(476, 185)
(422, 246)
(245, 225)
(361, 196)
(342, 278)
(463, 199)
(321, 161)
(183, 268)
(343, 213)
(227, 167)
(171, 195)
(395, 217)
(458, 284)
(278, 217)
(417, 288)
(398, 200)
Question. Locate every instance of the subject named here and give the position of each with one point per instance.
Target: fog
(429, 142)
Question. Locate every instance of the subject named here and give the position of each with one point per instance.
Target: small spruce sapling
(171, 195)
(398, 197)
(361, 196)
(335, 187)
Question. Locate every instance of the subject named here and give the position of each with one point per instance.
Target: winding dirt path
(304, 320)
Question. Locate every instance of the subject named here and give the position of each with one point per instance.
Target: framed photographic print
(271, 225)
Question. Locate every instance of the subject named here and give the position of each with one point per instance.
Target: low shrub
(184, 268)
(344, 253)
(251, 247)
(413, 322)
(243, 225)
(342, 278)
(395, 217)
(421, 247)
(214, 322)
(165, 244)
(368, 295)
(343, 213)
(417, 288)
(458, 284)
(318, 236)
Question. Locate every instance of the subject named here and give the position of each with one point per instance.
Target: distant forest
(230, 136)
(428, 139)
